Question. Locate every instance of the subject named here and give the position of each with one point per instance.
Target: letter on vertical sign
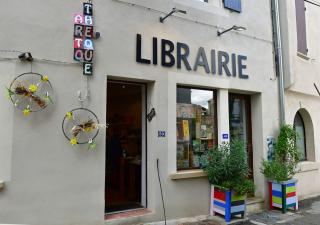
(88, 20)
(87, 55)
(78, 30)
(87, 69)
(87, 9)
(77, 43)
(88, 44)
(78, 19)
(88, 31)
(78, 55)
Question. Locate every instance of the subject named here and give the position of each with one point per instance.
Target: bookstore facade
(168, 91)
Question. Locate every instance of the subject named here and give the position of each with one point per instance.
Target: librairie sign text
(177, 54)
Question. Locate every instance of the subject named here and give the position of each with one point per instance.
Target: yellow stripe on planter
(276, 200)
(291, 189)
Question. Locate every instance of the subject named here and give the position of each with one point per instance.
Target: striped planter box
(283, 195)
(225, 202)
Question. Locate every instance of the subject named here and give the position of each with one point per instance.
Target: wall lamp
(174, 10)
(234, 27)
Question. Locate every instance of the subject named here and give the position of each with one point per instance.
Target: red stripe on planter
(292, 194)
(220, 195)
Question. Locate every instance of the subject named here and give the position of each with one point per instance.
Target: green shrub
(286, 158)
(227, 167)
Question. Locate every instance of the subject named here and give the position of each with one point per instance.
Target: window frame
(301, 26)
(214, 92)
(304, 134)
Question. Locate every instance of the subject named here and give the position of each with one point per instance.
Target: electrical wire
(164, 209)
(312, 3)
(40, 60)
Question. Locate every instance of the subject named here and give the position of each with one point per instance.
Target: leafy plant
(283, 166)
(227, 167)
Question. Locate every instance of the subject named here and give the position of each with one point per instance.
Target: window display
(196, 126)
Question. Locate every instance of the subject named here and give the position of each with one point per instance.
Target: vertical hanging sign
(83, 38)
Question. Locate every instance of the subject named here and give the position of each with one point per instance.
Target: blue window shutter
(234, 5)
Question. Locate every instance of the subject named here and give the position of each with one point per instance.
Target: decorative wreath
(81, 126)
(30, 92)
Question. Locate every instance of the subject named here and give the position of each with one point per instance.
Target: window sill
(202, 6)
(308, 166)
(188, 174)
(303, 56)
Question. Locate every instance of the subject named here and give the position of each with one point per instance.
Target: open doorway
(125, 184)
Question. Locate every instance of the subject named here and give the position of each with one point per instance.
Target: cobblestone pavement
(308, 214)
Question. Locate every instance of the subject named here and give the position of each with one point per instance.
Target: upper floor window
(301, 27)
(234, 5)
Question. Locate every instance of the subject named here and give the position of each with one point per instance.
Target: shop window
(301, 140)
(196, 126)
(301, 27)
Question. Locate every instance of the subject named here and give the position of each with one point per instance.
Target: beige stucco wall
(301, 73)
(54, 183)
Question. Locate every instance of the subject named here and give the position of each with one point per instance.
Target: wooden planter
(283, 195)
(227, 203)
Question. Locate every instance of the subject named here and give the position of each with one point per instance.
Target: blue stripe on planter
(219, 208)
(276, 187)
(291, 200)
(239, 208)
(291, 185)
(219, 204)
(291, 205)
(277, 194)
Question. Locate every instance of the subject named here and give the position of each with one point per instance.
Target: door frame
(247, 99)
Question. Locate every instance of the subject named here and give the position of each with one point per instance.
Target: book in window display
(183, 156)
(196, 145)
(185, 110)
(196, 161)
(185, 130)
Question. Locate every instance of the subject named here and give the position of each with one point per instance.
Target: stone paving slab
(308, 214)
(206, 222)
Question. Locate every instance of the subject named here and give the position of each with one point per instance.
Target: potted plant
(280, 170)
(228, 170)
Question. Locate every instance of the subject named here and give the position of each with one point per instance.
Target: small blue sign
(225, 136)
(161, 133)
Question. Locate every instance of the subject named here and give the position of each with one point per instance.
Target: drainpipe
(278, 55)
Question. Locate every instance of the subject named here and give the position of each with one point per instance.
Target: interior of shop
(123, 147)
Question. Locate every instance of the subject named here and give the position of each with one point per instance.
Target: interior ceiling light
(174, 10)
(234, 27)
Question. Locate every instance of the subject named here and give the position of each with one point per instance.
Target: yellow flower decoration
(45, 78)
(33, 88)
(88, 129)
(73, 141)
(69, 115)
(26, 112)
